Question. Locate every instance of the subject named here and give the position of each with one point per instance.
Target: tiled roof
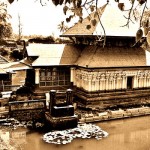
(112, 20)
(53, 54)
(93, 56)
(3, 60)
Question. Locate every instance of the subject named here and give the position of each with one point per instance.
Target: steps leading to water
(116, 114)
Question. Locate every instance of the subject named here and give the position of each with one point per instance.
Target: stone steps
(117, 114)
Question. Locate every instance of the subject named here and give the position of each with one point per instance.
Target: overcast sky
(37, 19)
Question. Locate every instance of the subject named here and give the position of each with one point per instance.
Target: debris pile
(81, 131)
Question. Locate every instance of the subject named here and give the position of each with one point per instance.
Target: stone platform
(61, 123)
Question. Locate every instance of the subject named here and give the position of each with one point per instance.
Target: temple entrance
(130, 82)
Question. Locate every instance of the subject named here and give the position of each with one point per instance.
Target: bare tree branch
(142, 14)
(129, 16)
(101, 24)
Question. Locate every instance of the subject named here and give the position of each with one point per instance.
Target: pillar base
(61, 123)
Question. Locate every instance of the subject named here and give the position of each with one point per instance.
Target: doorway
(130, 82)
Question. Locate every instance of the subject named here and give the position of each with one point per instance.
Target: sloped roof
(18, 66)
(80, 28)
(112, 20)
(93, 56)
(53, 54)
(2, 71)
(3, 60)
(45, 50)
(14, 66)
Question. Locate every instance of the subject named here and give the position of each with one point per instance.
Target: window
(54, 76)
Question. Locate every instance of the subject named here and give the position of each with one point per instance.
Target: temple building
(107, 73)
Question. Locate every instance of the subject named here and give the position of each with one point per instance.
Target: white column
(37, 76)
(89, 85)
(135, 82)
(107, 80)
(90, 75)
(148, 80)
(107, 86)
(124, 82)
(72, 74)
(145, 81)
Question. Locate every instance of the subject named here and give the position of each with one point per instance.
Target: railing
(27, 110)
(29, 104)
(6, 86)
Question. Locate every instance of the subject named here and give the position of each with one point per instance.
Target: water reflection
(127, 134)
(10, 139)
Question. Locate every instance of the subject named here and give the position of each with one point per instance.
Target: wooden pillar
(37, 76)
(72, 75)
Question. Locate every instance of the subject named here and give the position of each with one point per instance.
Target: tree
(5, 26)
(78, 6)
(19, 28)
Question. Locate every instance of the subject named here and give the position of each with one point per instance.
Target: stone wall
(117, 99)
(109, 80)
(27, 110)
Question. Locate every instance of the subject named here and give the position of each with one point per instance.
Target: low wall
(122, 99)
(117, 114)
(27, 110)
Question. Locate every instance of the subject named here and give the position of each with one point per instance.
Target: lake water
(126, 134)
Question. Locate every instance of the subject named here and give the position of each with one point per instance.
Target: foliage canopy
(5, 26)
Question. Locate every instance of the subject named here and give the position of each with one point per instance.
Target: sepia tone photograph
(74, 74)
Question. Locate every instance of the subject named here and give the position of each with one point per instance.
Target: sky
(37, 19)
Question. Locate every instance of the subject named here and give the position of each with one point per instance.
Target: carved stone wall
(97, 80)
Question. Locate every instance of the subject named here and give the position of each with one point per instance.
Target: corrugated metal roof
(93, 56)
